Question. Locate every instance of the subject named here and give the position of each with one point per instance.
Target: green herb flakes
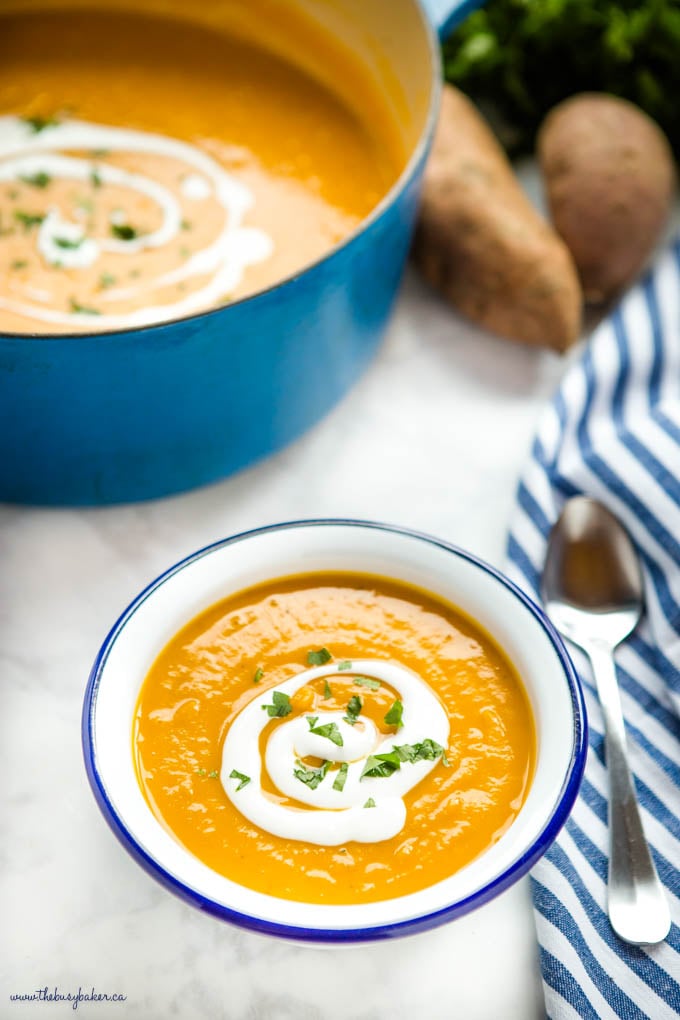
(38, 124)
(379, 766)
(19, 264)
(106, 280)
(280, 706)
(354, 707)
(312, 720)
(39, 180)
(79, 309)
(330, 731)
(259, 673)
(394, 715)
(214, 774)
(327, 692)
(341, 778)
(370, 802)
(28, 220)
(344, 665)
(319, 657)
(243, 780)
(311, 777)
(66, 244)
(365, 681)
(124, 232)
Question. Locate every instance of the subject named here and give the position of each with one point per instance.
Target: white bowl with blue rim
(201, 580)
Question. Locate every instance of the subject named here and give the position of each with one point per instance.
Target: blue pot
(143, 413)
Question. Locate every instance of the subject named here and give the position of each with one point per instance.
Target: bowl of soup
(204, 215)
(334, 731)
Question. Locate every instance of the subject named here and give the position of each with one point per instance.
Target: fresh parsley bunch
(518, 58)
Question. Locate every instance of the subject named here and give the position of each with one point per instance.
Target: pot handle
(446, 14)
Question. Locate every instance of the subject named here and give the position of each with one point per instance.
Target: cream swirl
(208, 274)
(339, 813)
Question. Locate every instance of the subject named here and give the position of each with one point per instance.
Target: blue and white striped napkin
(613, 433)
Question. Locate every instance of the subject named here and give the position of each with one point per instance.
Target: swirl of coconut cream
(25, 152)
(337, 815)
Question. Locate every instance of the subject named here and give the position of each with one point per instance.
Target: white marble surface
(433, 437)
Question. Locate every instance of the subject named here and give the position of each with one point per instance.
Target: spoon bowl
(592, 589)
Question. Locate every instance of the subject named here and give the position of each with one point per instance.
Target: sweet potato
(609, 177)
(483, 245)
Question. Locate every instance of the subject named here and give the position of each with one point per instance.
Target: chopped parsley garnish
(106, 280)
(330, 731)
(200, 772)
(39, 180)
(344, 665)
(185, 225)
(428, 750)
(341, 778)
(379, 766)
(67, 244)
(354, 707)
(259, 673)
(311, 777)
(364, 681)
(281, 705)
(213, 775)
(19, 264)
(327, 692)
(28, 220)
(79, 309)
(95, 178)
(393, 716)
(243, 780)
(38, 124)
(370, 802)
(319, 657)
(312, 720)
(124, 232)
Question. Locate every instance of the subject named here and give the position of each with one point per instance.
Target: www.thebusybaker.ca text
(54, 995)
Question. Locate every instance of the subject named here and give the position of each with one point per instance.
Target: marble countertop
(433, 437)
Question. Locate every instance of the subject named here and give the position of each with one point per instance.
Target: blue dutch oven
(142, 413)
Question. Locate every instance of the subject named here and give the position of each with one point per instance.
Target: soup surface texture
(141, 183)
(334, 739)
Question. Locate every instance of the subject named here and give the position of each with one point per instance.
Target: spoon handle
(638, 907)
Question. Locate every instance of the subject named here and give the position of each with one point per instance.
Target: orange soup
(153, 168)
(334, 739)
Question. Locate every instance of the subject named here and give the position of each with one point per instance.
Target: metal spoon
(592, 591)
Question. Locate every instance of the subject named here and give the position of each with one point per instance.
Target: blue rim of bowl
(451, 911)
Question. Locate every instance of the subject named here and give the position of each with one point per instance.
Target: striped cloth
(613, 432)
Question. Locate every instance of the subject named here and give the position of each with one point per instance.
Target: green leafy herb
(185, 225)
(330, 731)
(243, 780)
(327, 692)
(280, 706)
(394, 715)
(428, 750)
(354, 707)
(106, 280)
(200, 772)
(311, 777)
(344, 665)
(28, 220)
(370, 802)
(319, 657)
(259, 673)
(96, 178)
(38, 124)
(365, 681)
(66, 244)
(19, 264)
(518, 59)
(213, 775)
(124, 232)
(341, 778)
(312, 720)
(378, 766)
(39, 180)
(79, 309)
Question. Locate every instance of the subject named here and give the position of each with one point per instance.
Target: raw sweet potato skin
(483, 245)
(610, 178)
